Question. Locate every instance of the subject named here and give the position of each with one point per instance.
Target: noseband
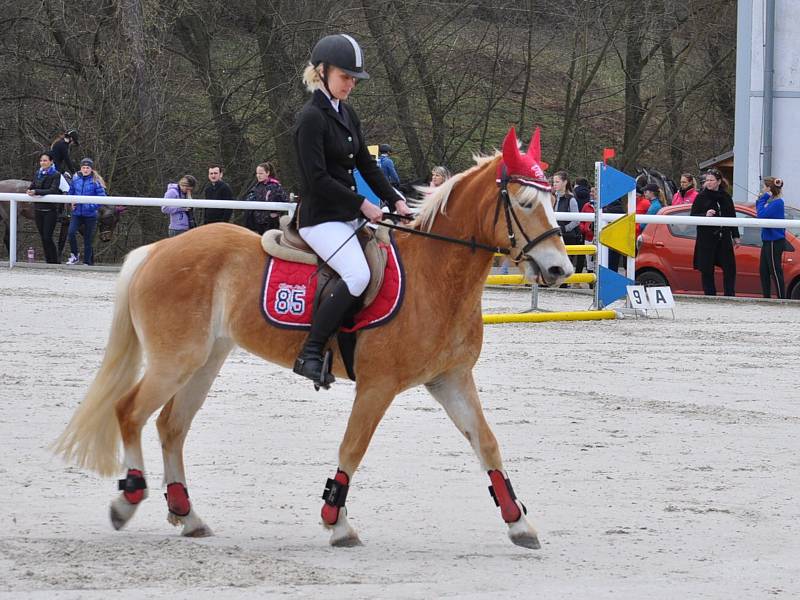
(504, 200)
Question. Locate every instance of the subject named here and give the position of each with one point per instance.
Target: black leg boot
(327, 321)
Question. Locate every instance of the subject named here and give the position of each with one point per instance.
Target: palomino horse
(183, 303)
(107, 215)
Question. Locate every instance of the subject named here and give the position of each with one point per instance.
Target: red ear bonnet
(526, 167)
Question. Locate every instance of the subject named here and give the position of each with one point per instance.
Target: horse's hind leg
(368, 410)
(133, 409)
(456, 392)
(173, 424)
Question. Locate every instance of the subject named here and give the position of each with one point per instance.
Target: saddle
(285, 243)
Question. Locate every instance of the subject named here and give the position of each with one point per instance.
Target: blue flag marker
(614, 184)
(364, 189)
(613, 286)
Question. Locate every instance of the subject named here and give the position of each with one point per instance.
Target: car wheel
(651, 278)
(795, 293)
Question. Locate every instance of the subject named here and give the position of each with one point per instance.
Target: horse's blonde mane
(435, 198)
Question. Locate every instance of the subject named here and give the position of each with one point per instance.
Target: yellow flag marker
(373, 150)
(621, 235)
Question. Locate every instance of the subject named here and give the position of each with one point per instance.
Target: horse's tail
(92, 437)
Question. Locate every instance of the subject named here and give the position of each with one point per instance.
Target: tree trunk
(234, 149)
(405, 119)
(634, 65)
(672, 116)
(429, 84)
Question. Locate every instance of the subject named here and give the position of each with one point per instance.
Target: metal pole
(769, 72)
(630, 264)
(600, 257)
(12, 242)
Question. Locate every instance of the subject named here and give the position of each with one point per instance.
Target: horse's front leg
(368, 409)
(457, 393)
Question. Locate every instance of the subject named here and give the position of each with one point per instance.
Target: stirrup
(307, 368)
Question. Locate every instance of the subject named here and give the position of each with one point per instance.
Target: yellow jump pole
(578, 315)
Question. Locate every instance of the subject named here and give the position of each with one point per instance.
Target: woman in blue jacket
(773, 241)
(87, 182)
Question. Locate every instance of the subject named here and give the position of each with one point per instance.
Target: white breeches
(349, 261)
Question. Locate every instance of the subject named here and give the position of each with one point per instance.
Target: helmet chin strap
(324, 77)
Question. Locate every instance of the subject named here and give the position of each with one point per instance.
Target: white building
(753, 128)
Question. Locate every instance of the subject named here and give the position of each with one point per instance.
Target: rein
(504, 200)
(471, 243)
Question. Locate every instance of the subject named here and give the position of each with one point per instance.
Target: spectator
(180, 218)
(770, 205)
(618, 207)
(687, 191)
(566, 202)
(642, 206)
(652, 193)
(387, 165)
(46, 181)
(439, 175)
(60, 152)
(582, 192)
(587, 227)
(266, 189)
(715, 245)
(216, 189)
(85, 183)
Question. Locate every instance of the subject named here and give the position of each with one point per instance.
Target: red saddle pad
(289, 287)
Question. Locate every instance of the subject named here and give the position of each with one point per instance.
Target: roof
(716, 160)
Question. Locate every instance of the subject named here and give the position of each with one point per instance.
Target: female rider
(329, 144)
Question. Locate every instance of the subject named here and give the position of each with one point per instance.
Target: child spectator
(180, 218)
(652, 194)
(87, 182)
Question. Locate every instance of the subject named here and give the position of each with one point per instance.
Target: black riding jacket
(329, 145)
(44, 186)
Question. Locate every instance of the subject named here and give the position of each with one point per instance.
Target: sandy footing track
(658, 459)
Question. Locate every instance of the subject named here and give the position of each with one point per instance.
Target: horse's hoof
(348, 541)
(117, 520)
(198, 532)
(526, 540)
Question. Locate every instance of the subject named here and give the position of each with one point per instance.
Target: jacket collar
(321, 101)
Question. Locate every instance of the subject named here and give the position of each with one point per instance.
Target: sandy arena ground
(658, 459)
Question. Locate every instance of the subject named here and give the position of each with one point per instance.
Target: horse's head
(107, 219)
(529, 213)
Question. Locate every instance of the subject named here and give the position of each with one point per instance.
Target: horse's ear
(535, 148)
(511, 153)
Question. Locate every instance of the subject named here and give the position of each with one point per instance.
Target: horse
(667, 186)
(184, 303)
(107, 215)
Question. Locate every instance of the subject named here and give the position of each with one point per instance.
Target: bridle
(504, 200)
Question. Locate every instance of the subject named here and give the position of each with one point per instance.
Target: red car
(665, 256)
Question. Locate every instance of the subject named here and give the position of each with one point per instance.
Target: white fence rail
(289, 207)
(127, 201)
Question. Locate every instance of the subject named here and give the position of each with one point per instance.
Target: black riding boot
(327, 320)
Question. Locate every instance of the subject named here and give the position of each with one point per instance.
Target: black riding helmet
(340, 50)
(72, 134)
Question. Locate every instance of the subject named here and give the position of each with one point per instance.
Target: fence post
(12, 242)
